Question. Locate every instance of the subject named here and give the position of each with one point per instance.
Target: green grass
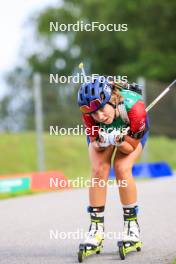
(66, 153)
(16, 194)
(162, 148)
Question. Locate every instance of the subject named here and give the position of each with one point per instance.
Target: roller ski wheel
(86, 250)
(126, 247)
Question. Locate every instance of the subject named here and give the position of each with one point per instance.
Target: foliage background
(147, 49)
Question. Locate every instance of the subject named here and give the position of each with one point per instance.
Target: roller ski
(131, 241)
(93, 243)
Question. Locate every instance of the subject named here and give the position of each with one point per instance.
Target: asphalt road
(32, 227)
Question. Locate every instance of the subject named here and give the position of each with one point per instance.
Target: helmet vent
(102, 95)
(86, 88)
(93, 91)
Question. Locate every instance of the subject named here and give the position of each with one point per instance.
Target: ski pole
(81, 66)
(160, 96)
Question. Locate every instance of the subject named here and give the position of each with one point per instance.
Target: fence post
(39, 121)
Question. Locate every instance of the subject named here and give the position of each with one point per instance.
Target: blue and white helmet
(94, 95)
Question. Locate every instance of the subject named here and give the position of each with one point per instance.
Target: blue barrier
(149, 170)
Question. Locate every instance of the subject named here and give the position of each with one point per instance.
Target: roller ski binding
(130, 241)
(86, 250)
(95, 237)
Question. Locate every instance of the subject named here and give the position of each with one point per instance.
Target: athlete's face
(104, 115)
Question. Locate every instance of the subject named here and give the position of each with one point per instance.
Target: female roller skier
(115, 116)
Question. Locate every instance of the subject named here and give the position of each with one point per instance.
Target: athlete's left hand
(116, 137)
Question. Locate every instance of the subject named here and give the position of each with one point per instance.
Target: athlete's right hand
(103, 139)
